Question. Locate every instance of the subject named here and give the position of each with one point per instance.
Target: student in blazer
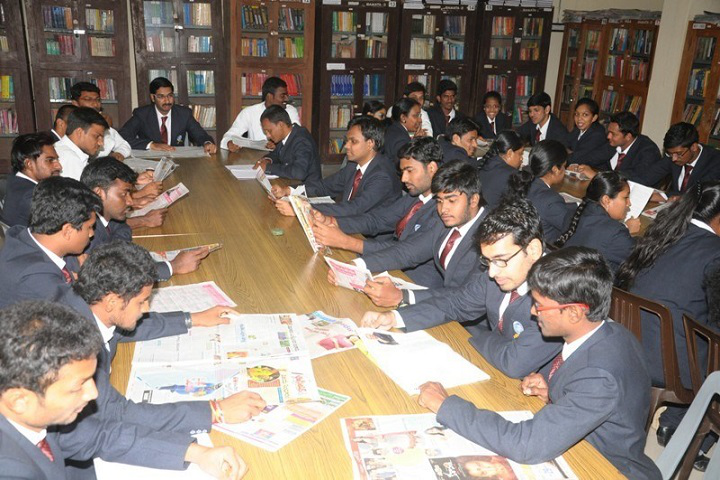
(406, 121)
(460, 141)
(588, 141)
(492, 120)
(502, 160)
(688, 161)
(542, 124)
(444, 111)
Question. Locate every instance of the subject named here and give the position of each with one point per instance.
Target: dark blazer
(453, 152)
(595, 396)
(396, 137)
(27, 272)
(676, 280)
(555, 131)
(143, 128)
(437, 119)
(379, 188)
(297, 159)
(494, 176)
(517, 351)
(552, 208)
(502, 122)
(592, 149)
(706, 169)
(16, 205)
(643, 163)
(597, 230)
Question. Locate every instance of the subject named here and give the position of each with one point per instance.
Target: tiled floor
(653, 450)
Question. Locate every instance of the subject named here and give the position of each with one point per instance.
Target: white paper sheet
(169, 255)
(195, 297)
(140, 164)
(325, 334)
(163, 200)
(246, 172)
(639, 197)
(251, 144)
(179, 152)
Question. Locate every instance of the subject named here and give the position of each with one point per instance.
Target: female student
(495, 168)
(546, 169)
(588, 140)
(597, 222)
(405, 122)
(492, 120)
(375, 108)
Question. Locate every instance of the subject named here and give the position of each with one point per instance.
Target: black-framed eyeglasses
(499, 262)
(677, 154)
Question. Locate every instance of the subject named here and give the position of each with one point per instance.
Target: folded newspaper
(244, 142)
(325, 334)
(179, 152)
(302, 212)
(349, 275)
(164, 200)
(169, 255)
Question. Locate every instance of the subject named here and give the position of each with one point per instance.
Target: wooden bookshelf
(16, 113)
(71, 42)
(183, 41)
(513, 56)
(357, 64)
(271, 38)
(697, 99)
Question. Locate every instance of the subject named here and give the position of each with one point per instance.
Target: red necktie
(686, 178)
(514, 295)
(66, 275)
(537, 135)
(44, 447)
(448, 246)
(400, 227)
(555, 365)
(163, 131)
(356, 183)
(447, 119)
(621, 156)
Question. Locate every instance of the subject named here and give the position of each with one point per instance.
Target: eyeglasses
(499, 262)
(160, 96)
(677, 155)
(560, 307)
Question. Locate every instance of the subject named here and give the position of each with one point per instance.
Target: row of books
(524, 86)
(199, 44)
(374, 85)
(692, 113)
(8, 122)
(7, 87)
(455, 25)
(336, 145)
(344, 21)
(609, 101)
(100, 20)
(502, 52)
(60, 45)
(201, 82)
(453, 50)
(571, 66)
(421, 48)
(498, 83)
(204, 114)
(633, 104)
(254, 47)
(57, 17)
(715, 130)
(341, 85)
(254, 17)
(197, 14)
(294, 83)
(340, 115)
(530, 50)
(4, 46)
(291, 47)
(503, 26)
(160, 42)
(59, 88)
(291, 19)
(638, 70)
(619, 39)
(642, 43)
(376, 22)
(106, 86)
(532, 27)
(422, 25)
(158, 13)
(170, 74)
(592, 40)
(567, 96)
(343, 47)
(589, 64)
(705, 49)
(101, 46)
(251, 83)
(698, 82)
(376, 47)
(614, 66)
(519, 115)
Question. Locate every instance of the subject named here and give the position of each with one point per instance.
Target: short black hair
(403, 107)
(276, 114)
(64, 112)
(103, 171)
(492, 94)
(371, 129)
(459, 127)
(423, 150)
(445, 85)
(40, 338)
(84, 118)
(160, 82)
(119, 267)
(29, 146)
(373, 106)
(513, 216)
(60, 200)
(681, 134)
(575, 275)
(77, 89)
(627, 123)
(414, 87)
(271, 84)
(590, 103)
(540, 99)
(457, 176)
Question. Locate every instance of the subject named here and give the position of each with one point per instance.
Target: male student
(274, 92)
(460, 141)
(296, 155)
(443, 112)
(60, 124)
(492, 120)
(461, 207)
(597, 389)
(409, 216)
(688, 161)
(366, 183)
(47, 362)
(542, 123)
(510, 242)
(162, 125)
(83, 139)
(416, 91)
(33, 159)
(86, 94)
(113, 181)
(62, 216)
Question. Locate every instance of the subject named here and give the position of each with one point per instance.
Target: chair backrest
(693, 332)
(626, 309)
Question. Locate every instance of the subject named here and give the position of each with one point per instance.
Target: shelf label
(79, 32)
(392, 4)
(331, 2)
(414, 66)
(335, 66)
(488, 8)
(413, 6)
(699, 26)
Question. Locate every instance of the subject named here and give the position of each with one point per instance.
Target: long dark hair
(609, 183)
(506, 140)
(543, 157)
(701, 202)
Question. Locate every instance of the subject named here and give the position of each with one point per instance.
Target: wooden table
(270, 274)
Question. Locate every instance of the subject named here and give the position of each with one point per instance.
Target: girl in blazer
(406, 121)
(495, 168)
(588, 141)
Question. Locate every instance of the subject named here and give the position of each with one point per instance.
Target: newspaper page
(189, 298)
(431, 359)
(264, 182)
(302, 212)
(639, 197)
(179, 152)
(246, 172)
(164, 169)
(164, 200)
(417, 447)
(279, 425)
(349, 275)
(570, 198)
(400, 283)
(245, 142)
(140, 165)
(325, 334)
(652, 212)
(320, 200)
(169, 255)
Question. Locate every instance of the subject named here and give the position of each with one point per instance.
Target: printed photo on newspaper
(164, 200)
(325, 334)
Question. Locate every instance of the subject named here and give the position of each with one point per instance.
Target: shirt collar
(620, 150)
(71, 145)
(284, 140)
(32, 436)
(363, 168)
(55, 259)
(544, 128)
(22, 175)
(523, 289)
(468, 225)
(703, 225)
(570, 348)
(696, 158)
(105, 331)
(490, 120)
(424, 199)
(104, 222)
(160, 115)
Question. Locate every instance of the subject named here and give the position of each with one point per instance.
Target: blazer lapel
(177, 124)
(151, 120)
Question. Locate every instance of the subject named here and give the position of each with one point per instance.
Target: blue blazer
(595, 396)
(453, 152)
(591, 149)
(494, 176)
(706, 169)
(555, 131)
(18, 197)
(143, 128)
(502, 122)
(437, 119)
(552, 209)
(396, 137)
(297, 159)
(643, 163)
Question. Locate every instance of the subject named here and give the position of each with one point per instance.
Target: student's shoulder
(144, 110)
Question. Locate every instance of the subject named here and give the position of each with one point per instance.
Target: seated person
(461, 208)
(296, 155)
(460, 141)
(163, 125)
(502, 160)
(409, 216)
(86, 94)
(375, 108)
(274, 92)
(366, 183)
(444, 111)
(542, 123)
(599, 221)
(590, 392)
(492, 120)
(416, 91)
(43, 390)
(84, 138)
(510, 241)
(690, 162)
(588, 140)
(62, 217)
(405, 124)
(60, 124)
(33, 159)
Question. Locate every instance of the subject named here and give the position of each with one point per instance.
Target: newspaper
(325, 334)
(417, 447)
(349, 275)
(179, 152)
(163, 200)
(320, 200)
(570, 198)
(652, 212)
(246, 172)
(169, 255)
(400, 283)
(264, 182)
(576, 175)
(639, 197)
(431, 359)
(302, 212)
(140, 165)
(189, 298)
(279, 425)
(244, 142)
(164, 168)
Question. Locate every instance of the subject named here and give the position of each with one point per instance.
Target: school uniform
(552, 130)
(296, 157)
(590, 148)
(551, 207)
(144, 127)
(396, 137)
(18, 197)
(440, 121)
(641, 162)
(490, 130)
(705, 168)
(453, 152)
(494, 176)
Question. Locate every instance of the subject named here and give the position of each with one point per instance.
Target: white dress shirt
(105, 331)
(113, 142)
(22, 175)
(543, 129)
(72, 159)
(248, 120)
(168, 125)
(682, 169)
(55, 259)
(703, 225)
(618, 151)
(463, 229)
(32, 436)
(570, 348)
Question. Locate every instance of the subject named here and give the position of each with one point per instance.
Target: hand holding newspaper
(302, 212)
(264, 182)
(639, 197)
(164, 200)
(349, 275)
(169, 255)
(252, 144)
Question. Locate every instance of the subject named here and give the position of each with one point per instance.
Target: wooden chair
(626, 309)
